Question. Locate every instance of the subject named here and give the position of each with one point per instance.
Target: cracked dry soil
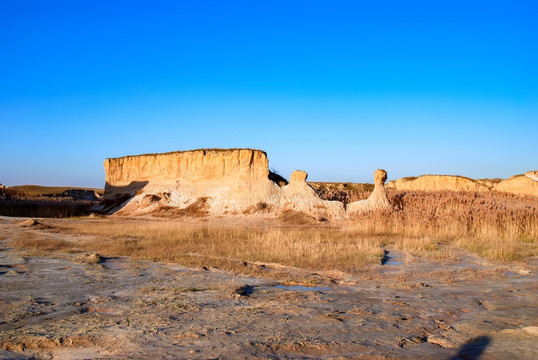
(53, 306)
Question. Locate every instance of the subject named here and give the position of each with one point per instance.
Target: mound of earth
(29, 222)
(437, 183)
(520, 184)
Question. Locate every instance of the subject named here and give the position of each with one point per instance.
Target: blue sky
(336, 88)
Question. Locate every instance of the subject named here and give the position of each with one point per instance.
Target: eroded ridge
(216, 182)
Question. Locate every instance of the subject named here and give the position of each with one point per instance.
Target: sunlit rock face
(195, 165)
(215, 182)
(229, 180)
(438, 183)
(526, 184)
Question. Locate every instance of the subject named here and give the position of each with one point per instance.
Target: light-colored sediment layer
(195, 165)
(533, 175)
(230, 180)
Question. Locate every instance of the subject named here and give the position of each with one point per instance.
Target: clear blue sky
(336, 88)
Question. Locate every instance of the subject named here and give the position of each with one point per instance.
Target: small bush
(46, 208)
(297, 218)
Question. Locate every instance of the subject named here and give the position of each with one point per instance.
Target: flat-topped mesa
(214, 182)
(378, 199)
(220, 180)
(190, 166)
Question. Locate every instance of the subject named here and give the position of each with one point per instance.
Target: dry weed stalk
(494, 225)
(209, 245)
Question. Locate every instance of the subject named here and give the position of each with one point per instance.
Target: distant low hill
(523, 184)
(38, 190)
(48, 201)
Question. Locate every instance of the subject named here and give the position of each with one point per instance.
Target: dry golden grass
(227, 247)
(494, 225)
(433, 225)
(42, 243)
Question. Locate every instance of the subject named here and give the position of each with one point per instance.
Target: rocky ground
(68, 306)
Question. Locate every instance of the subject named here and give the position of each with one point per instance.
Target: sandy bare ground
(55, 306)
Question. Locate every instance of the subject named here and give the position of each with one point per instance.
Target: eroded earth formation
(238, 181)
(217, 181)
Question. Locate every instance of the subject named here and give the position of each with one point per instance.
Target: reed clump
(494, 225)
(202, 245)
(454, 213)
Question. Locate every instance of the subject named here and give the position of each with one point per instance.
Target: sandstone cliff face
(519, 184)
(190, 166)
(438, 183)
(228, 181)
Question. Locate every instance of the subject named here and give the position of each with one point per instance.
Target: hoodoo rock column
(377, 200)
